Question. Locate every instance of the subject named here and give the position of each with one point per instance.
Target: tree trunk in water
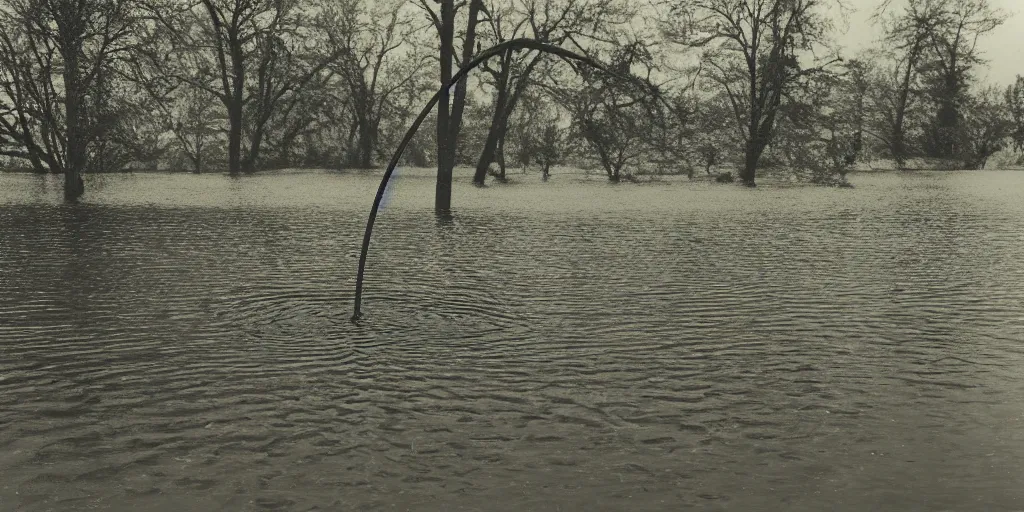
(899, 151)
(613, 174)
(492, 146)
(445, 147)
(249, 164)
(235, 137)
(351, 146)
(498, 119)
(487, 155)
(74, 187)
(753, 154)
(366, 143)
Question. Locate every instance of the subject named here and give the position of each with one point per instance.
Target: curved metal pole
(513, 44)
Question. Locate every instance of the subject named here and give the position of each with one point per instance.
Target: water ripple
(182, 342)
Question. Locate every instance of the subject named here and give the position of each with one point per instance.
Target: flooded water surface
(180, 342)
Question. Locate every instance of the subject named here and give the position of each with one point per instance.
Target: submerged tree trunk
(899, 149)
(449, 120)
(752, 156)
(365, 144)
(255, 142)
(197, 163)
(445, 148)
(507, 99)
(493, 147)
(499, 119)
(491, 143)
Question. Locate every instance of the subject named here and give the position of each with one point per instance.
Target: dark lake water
(180, 342)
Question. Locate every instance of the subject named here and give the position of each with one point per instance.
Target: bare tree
(126, 134)
(31, 119)
(52, 53)
(933, 50)
(186, 113)
(610, 113)
(549, 148)
(249, 54)
(554, 21)
(896, 81)
(524, 140)
(300, 116)
(754, 50)
(892, 101)
(819, 131)
(822, 125)
(375, 63)
(953, 42)
(451, 105)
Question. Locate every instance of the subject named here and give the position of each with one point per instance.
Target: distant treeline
(243, 85)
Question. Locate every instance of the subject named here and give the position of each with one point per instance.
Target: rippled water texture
(182, 342)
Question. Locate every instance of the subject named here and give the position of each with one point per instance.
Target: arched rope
(513, 44)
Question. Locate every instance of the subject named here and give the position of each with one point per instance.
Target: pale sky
(1003, 47)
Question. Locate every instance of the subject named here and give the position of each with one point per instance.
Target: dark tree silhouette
(53, 54)
(752, 47)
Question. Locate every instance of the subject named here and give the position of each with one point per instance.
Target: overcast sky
(1004, 47)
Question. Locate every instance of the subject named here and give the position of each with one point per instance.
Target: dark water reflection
(182, 342)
